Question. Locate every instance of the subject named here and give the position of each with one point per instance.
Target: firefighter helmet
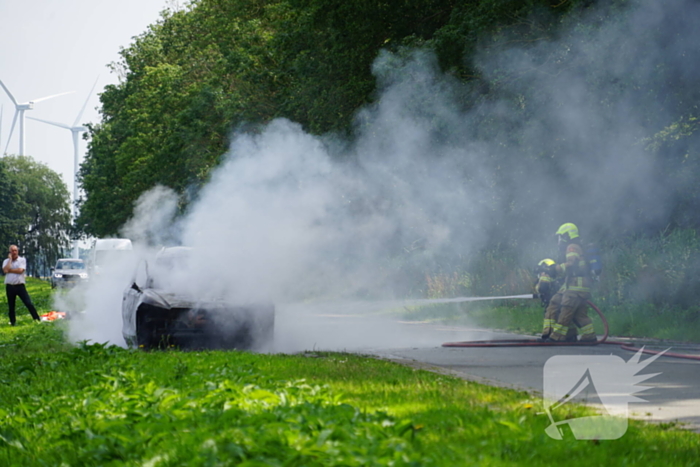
(546, 266)
(568, 231)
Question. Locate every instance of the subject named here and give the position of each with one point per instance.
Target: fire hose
(536, 343)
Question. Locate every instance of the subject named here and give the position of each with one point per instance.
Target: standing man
(570, 303)
(14, 267)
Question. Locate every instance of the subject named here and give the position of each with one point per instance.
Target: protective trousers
(551, 316)
(573, 308)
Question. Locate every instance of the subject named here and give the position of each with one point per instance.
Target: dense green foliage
(94, 404)
(201, 72)
(11, 207)
(35, 212)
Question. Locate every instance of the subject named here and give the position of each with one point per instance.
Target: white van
(108, 251)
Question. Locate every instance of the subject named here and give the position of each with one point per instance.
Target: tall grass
(490, 273)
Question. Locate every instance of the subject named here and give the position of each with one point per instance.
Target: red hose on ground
(535, 343)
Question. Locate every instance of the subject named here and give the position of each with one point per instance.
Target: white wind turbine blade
(80, 115)
(12, 98)
(49, 97)
(62, 125)
(12, 128)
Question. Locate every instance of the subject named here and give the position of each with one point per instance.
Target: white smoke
(154, 213)
(96, 309)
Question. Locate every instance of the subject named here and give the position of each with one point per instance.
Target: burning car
(157, 312)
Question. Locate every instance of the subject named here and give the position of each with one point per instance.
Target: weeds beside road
(525, 317)
(93, 404)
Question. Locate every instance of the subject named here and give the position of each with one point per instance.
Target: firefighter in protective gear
(546, 284)
(545, 281)
(569, 303)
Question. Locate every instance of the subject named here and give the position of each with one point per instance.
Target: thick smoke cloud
(154, 214)
(287, 216)
(428, 181)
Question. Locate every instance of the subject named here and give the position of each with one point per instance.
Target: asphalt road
(671, 395)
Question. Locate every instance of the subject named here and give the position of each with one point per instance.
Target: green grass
(525, 317)
(94, 404)
(520, 316)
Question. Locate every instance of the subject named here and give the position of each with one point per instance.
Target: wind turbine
(75, 129)
(19, 112)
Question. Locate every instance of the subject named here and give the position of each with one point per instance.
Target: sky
(50, 47)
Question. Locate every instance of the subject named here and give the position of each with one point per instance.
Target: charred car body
(158, 313)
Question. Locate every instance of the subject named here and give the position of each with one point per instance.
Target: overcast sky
(49, 47)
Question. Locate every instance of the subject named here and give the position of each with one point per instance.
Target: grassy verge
(660, 322)
(525, 317)
(97, 405)
(520, 316)
(100, 405)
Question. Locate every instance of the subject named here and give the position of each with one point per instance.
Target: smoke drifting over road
(291, 217)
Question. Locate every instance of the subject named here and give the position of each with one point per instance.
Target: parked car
(158, 313)
(68, 272)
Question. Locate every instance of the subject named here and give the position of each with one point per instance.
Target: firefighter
(545, 281)
(546, 284)
(569, 304)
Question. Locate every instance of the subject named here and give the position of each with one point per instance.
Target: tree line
(200, 73)
(34, 212)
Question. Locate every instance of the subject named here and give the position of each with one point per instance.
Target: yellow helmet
(568, 230)
(546, 266)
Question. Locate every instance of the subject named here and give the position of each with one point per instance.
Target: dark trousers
(19, 290)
